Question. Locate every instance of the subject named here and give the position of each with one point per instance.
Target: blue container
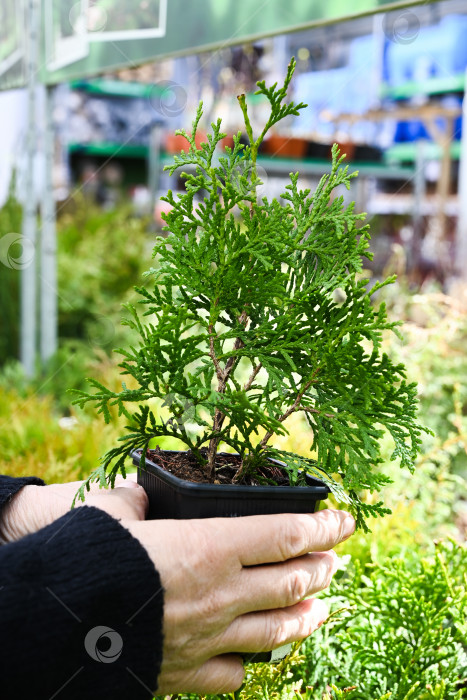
(438, 51)
(349, 89)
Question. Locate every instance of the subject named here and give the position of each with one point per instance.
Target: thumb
(128, 482)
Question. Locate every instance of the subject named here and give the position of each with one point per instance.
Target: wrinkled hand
(34, 507)
(237, 585)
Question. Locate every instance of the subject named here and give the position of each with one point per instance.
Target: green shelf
(116, 88)
(121, 88)
(308, 166)
(407, 152)
(273, 165)
(114, 150)
(319, 167)
(431, 86)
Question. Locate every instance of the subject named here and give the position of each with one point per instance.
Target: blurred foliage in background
(402, 633)
(101, 256)
(10, 222)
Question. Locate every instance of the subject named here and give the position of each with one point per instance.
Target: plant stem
(222, 378)
(249, 129)
(294, 407)
(252, 377)
(308, 409)
(254, 145)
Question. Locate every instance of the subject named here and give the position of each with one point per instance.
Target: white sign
(65, 32)
(72, 25)
(12, 35)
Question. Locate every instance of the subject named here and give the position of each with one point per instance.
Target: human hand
(233, 586)
(34, 507)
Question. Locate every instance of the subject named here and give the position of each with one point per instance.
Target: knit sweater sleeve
(81, 608)
(10, 485)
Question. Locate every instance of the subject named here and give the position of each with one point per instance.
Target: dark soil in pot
(185, 466)
(173, 497)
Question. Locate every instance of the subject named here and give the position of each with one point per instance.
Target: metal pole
(419, 196)
(28, 267)
(154, 167)
(461, 238)
(444, 183)
(48, 275)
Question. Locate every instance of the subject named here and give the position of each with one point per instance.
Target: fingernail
(321, 609)
(335, 565)
(348, 526)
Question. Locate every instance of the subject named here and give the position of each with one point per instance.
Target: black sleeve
(81, 609)
(9, 485)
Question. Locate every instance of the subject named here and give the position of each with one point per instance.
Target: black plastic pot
(171, 497)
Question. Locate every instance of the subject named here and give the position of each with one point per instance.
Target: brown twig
(222, 378)
(213, 356)
(308, 409)
(252, 377)
(293, 408)
(230, 364)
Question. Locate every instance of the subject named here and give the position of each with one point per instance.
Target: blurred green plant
(100, 259)
(402, 633)
(434, 342)
(10, 222)
(37, 439)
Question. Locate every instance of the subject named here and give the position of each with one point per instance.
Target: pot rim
(315, 488)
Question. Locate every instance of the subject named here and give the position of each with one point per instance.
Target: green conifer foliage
(256, 309)
(400, 631)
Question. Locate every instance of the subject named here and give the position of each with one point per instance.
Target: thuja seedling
(255, 310)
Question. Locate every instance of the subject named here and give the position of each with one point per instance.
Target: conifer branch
(294, 407)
